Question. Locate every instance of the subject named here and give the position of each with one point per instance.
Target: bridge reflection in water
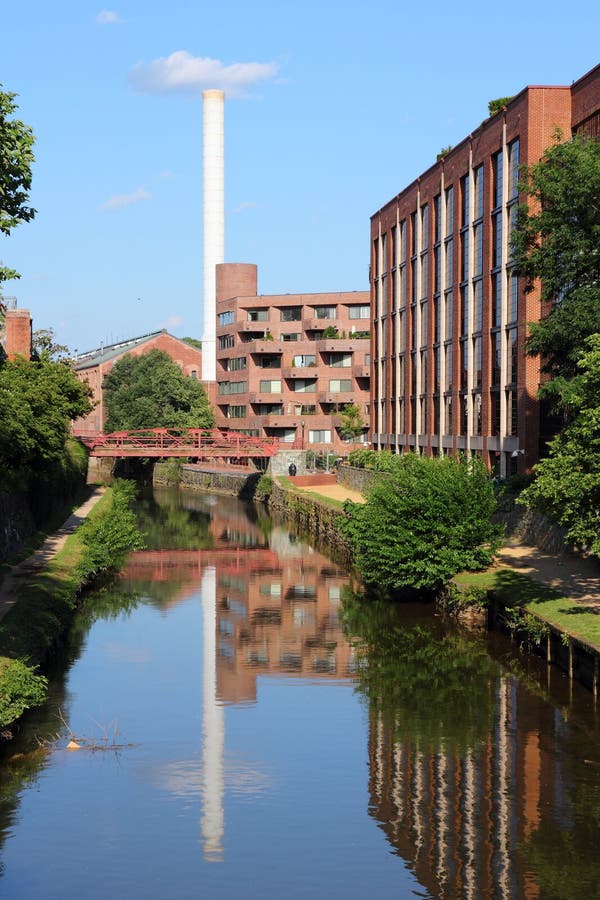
(459, 811)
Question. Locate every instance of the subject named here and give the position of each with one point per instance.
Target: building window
(236, 412)
(511, 355)
(495, 412)
(513, 298)
(497, 180)
(304, 385)
(233, 387)
(319, 436)
(464, 307)
(269, 361)
(496, 358)
(437, 219)
(477, 413)
(448, 313)
(478, 250)
(463, 365)
(464, 206)
(235, 364)
(226, 341)
(424, 227)
(513, 170)
(478, 305)
(291, 314)
(304, 361)
(270, 387)
(477, 362)
(325, 312)
(449, 211)
(341, 360)
(511, 413)
(194, 374)
(496, 240)
(496, 299)
(359, 312)
(448, 415)
(226, 318)
(340, 385)
(448, 366)
(478, 192)
(292, 336)
(258, 315)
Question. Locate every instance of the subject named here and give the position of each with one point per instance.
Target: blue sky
(338, 105)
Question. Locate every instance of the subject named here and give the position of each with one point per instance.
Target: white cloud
(166, 174)
(183, 73)
(172, 322)
(120, 201)
(242, 207)
(108, 17)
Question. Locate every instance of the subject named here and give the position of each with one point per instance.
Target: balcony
(265, 397)
(361, 371)
(342, 345)
(300, 371)
(343, 397)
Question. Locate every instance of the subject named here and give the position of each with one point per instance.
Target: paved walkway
(23, 571)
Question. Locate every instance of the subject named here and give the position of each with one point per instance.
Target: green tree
(351, 424)
(494, 106)
(38, 399)
(423, 523)
(150, 391)
(557, 240)
(16, 158)
(44, 346)
(567, 483)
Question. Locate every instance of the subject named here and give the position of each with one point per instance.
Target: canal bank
(549, 602)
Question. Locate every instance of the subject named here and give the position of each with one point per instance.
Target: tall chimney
(214, 220)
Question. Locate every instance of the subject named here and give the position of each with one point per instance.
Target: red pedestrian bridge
(194, 443)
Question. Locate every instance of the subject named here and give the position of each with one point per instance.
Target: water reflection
(483, 797)
(269, 605)
(480, 782)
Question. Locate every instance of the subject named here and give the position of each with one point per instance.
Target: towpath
(18, 576)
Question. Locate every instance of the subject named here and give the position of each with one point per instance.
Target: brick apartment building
(95, 365)
(450, 316)
(287, 364)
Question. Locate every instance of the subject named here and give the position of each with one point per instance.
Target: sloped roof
(111, 351)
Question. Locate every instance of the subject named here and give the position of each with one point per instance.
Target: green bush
(109, 537)
(429, 520)
(21, 689)
(264, 487)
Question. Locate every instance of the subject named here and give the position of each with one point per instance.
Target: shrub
(21, 689)
(425, 523)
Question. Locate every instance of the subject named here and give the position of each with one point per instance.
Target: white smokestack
(214, 220)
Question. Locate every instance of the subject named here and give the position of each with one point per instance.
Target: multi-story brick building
(287, 364)
(95, 365)
(450, 371)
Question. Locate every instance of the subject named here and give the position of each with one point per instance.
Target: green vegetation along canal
(255, 733)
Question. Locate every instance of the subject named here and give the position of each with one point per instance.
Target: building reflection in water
(269, 607)
(459, 785)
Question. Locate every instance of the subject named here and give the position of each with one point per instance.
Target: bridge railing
(180, 442)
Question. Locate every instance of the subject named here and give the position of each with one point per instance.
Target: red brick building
(15, 329)
(94, 365)
(450, 316)
(287, 364)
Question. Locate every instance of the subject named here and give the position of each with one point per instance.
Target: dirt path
(333, 491)
(575, 577)
(23, 571)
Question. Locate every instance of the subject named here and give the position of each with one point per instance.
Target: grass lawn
(518, 590)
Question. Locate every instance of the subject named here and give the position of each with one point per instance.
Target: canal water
(251, 729)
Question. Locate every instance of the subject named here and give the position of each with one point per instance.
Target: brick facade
(94, 366)
(17, 333)
(450, 318)
(278, 374)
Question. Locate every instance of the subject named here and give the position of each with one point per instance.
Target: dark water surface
(274, 740)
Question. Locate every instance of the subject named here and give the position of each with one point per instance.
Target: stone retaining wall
(312, 517)
(197, 478)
